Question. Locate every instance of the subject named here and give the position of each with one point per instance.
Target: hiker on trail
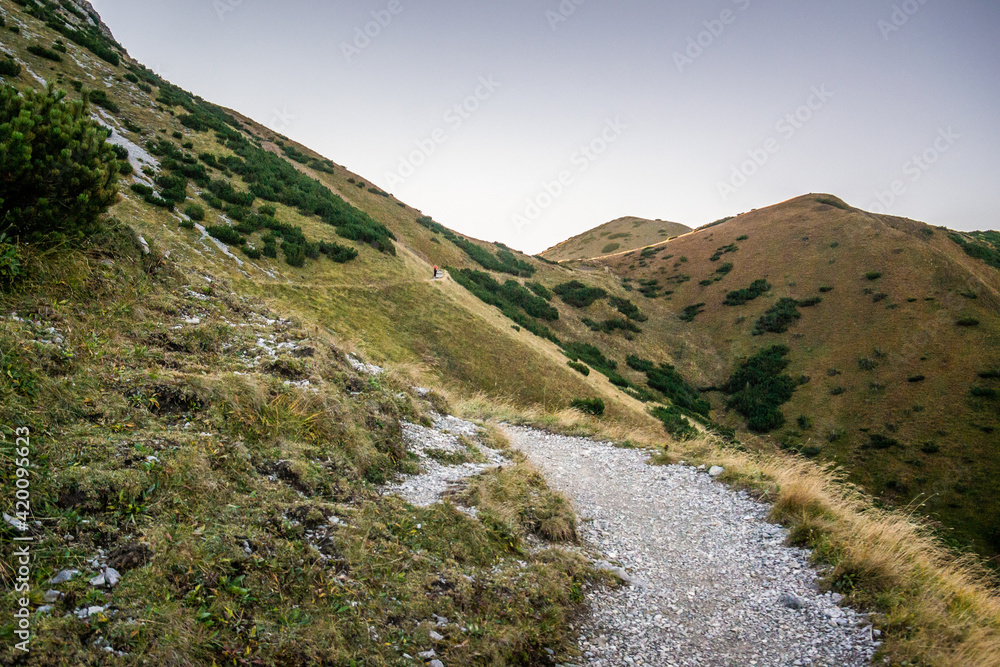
(435, 271)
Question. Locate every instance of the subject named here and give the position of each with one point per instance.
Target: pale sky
(530, 122)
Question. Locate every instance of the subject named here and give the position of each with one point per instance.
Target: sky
(529, 122)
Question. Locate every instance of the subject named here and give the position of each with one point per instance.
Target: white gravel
(437, 478)
(711, 582)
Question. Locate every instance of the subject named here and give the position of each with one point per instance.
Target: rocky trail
(710, 581)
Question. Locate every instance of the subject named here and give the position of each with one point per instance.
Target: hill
(891, 327)
(619, 235)
(189, 375)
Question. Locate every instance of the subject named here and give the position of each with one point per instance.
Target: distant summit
(621, 235)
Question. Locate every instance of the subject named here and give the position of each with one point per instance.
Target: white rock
(716, 471)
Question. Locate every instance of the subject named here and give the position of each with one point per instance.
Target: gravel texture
(438, 478)
(711, 582)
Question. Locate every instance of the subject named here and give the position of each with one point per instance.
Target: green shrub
(9, 67)
(295, 254)
(747, 294)
(610, 248)
(195, 212)
(583, 369)
(873, 275)
(252, 253)
(930, 448)
(540, 289)
(984, 392)
(837, 391)
(675, 423)
(590, 406)
(101, 99)
(804, 422)
(810, 302)
(186, 224)
(759, 387)
(779, 318)
(833, 201)
(825, 289)
(619, 324)
(340, 254)
(43, 52)
(268, 210)
(668, 381)
(513, 300)
(979, 247)
(628, 309)
(60, 174)
(882, 442)
(691, 312)
(967, 322)
(725, 269)
(226, 234)
(990, 375)
(591, 355)
(916, 378)
(579, 295)
(10, 262)
(732, 247)
(742, 238)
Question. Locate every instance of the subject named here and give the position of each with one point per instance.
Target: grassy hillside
(619, 235)
(193, 414)
(892, 328)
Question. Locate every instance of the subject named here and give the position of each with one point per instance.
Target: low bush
(226, 234)
(195, 212)
(759, 387)
(779, 318)
(610, 248)
(101, 99)
(990, 375)
(967, 322)
(43, 52)
(60, 174)
(668, 381)
(592, 356)
(732, 247)
(583, 369)
(590, 406)
(747, 294)
(691, 312)
(873, 275)
(916, 378)
(579, 295)
(825, 289)
(9, 67)
(810, 302)
(675, 423)
(984, 392)
(628, 309)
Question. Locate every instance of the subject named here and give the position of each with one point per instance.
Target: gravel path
(711, 581)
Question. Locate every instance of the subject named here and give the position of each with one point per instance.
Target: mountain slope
(896, 355)
(195, 417)
(616, 236)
